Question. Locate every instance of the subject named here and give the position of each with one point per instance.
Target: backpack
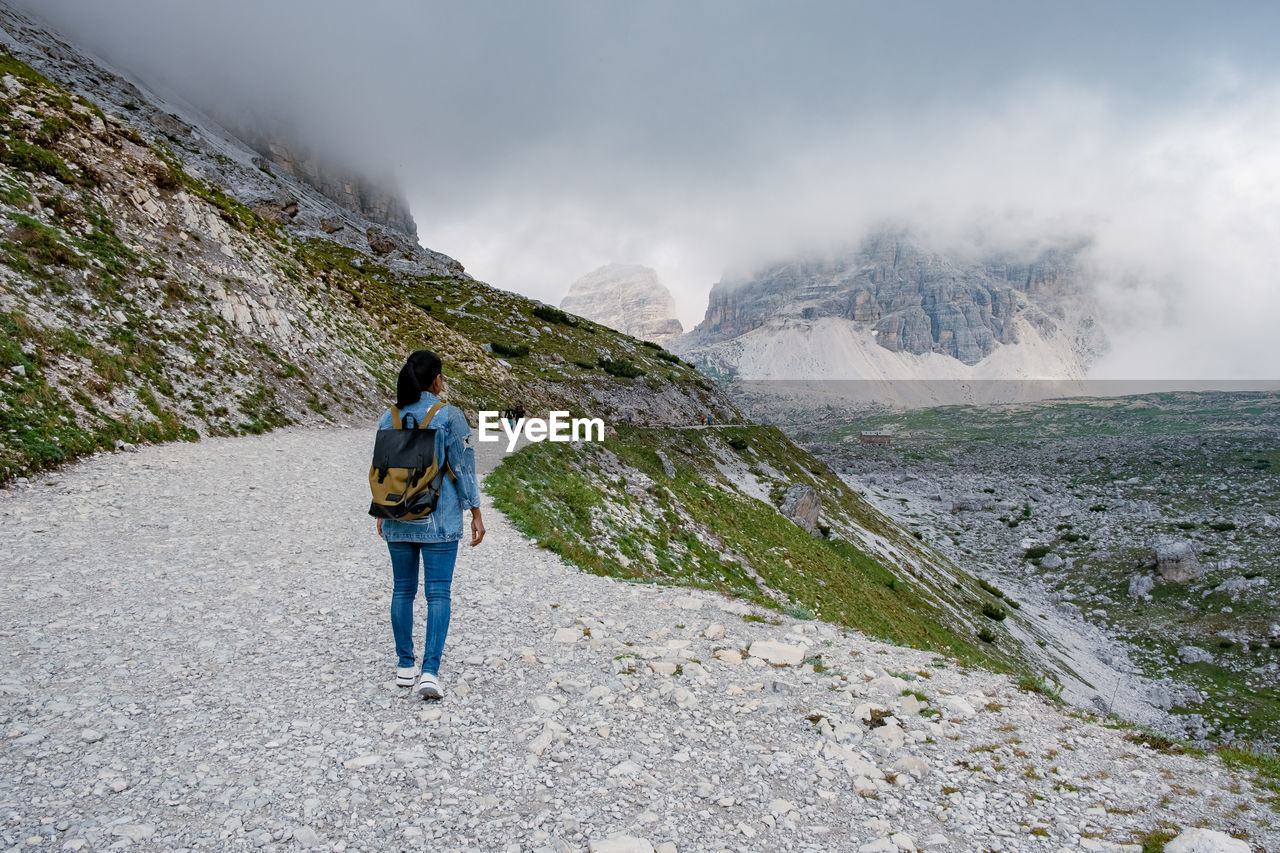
(405, 476)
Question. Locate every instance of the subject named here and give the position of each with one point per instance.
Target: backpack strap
(431, 413)
(426, 419)
(395, 417)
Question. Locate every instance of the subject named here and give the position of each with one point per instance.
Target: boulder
(1237, 586)
(667, 467)
(1206, 841)
(380, 242)
(1051, 561)
(1194, 654)
(771, 651)
(620, 844)
(972, 503)
(802, 504)
(1140, 587)
(1176, 561)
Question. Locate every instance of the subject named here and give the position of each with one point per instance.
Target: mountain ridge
(892, 310)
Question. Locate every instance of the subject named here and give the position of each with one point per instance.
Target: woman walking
(431, 542)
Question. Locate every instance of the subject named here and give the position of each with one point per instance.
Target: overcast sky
(536, 141)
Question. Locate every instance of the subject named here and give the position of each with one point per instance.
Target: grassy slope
(574, 502)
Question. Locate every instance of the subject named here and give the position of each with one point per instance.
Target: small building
(879, 438)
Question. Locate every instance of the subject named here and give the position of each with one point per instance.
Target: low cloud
(536, 142)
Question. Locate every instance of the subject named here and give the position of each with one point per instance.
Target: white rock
(1206, 841)
(687, 602)
(362, 761)
(936, 841)
(779, 807)
(1194, 654)
(864, 786)
(134, 831)
(903, 842)
(886, 685)
(730, 656)
(955, 708)
(544, 704)
(624, 768)
(910, 706)
(880, 845)
(620, 844)
(917, 767)
(683, 698)
(891, 735)
(663, 667)
(714, 631)
(567, 635)
(306, 836)
(772, 651)
(90, 735)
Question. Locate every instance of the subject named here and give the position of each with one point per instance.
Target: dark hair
(419, 371)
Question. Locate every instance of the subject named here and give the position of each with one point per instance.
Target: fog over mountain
(536, 142)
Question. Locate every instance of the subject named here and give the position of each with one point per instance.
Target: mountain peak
(627, 297)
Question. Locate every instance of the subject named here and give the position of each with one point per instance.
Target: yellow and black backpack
(405, 476)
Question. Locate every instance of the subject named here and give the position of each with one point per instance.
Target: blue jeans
(437, 576)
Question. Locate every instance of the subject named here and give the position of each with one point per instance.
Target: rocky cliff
(376, 200)
(628, 298)
(894, 295)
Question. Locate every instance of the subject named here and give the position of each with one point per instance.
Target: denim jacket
(453, 436)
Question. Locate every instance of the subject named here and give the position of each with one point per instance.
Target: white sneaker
(429, 687)
(405, 675)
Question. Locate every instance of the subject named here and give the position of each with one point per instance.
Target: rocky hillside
(157, 284)
(628, 298)
(1148, 523)
(892, 309)
(376, 200)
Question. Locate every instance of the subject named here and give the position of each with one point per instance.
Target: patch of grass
(799, 611)
(43, 245)
(1155, 840)
(1036, 552)
(1041, 685)
(1264, 766)
(22, 155)
(621, 368)
(990, 588)
(554, 315)
(993, 612)
(509, 350)
(670, 532)
(1160, 742)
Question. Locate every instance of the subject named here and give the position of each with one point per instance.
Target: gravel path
(198, 655)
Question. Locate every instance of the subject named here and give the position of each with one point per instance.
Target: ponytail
(408, 391)
(419, 371)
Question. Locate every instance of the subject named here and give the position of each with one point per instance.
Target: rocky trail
(197, 655)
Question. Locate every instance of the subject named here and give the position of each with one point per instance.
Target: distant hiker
(519, 412)
(433, 539)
